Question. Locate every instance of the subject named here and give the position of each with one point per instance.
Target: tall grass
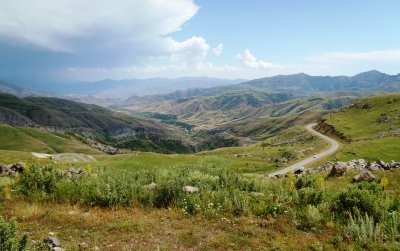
(220, 190)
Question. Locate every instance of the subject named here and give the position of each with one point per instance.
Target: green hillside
(91, 121)
(35, 140)
(369, 127)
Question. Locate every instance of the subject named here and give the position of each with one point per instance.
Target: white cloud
(57, 24)
(191, 51)
(379, 55)
(218, 50)
(250, 61)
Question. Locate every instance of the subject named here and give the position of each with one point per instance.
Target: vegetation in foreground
(142, 200)
(334, 212)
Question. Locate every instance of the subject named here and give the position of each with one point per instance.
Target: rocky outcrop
(365, 175)
(339, 168)
(328, 129)
(14, 169)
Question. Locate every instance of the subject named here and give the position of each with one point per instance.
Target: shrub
(106, 189)
(168, 194)
(8, 239)
(308, 217)
(363, 198)
(306, 181)
(312, 196)
(39, 180)
(364, 229)
(392, 225)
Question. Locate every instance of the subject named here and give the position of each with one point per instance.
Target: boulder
(383, 164)
(299, 171)
(339, 168)
(58, 249)
(52, 241)
(4, 169)
(394, 164)
(361, 163)
(327, 166)
(190, 189)
(351, 165)
(374, 167)
(17, 168)
(364, 176)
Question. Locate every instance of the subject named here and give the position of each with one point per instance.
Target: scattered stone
(394, 164)
(152, 185)
(365, 175)
(374, 167)
(83, 246)
(58, 249)
(190, 189)
(13, 170)
(383, 164)
(339, 169)
(52, 241)
(299, 171)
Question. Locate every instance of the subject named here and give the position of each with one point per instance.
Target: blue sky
(61, 41)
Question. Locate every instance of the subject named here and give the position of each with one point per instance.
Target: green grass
(374, 133)
(357, 123)
(257, 158)
(35, 140)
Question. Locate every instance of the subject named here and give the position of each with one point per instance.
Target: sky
(44, 41)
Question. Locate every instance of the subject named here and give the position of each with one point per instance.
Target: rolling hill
(88, 121)
(366, 83)
(369, 128)
(36, 140)
(19, 90)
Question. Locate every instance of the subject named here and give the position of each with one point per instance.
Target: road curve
(333, 148)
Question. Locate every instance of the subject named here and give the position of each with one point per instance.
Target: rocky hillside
(89, 121)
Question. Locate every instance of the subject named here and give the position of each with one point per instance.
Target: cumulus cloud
(74, 34)
(250, 61)
(55, 24)
(191, 51)
(379, 55)
(218, 50)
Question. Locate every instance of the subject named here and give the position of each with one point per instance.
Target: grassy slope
(256, 158)
(34, 140)
(369, 139)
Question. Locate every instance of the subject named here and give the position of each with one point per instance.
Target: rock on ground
(365, 175)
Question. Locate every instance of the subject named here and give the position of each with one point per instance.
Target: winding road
(333, 148)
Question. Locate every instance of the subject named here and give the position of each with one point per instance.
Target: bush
(306, 181)
(363, 198)
(312, 196)
(308, 217)
(8, 239)
(364, 229)
(38, 180)
(168, 194)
